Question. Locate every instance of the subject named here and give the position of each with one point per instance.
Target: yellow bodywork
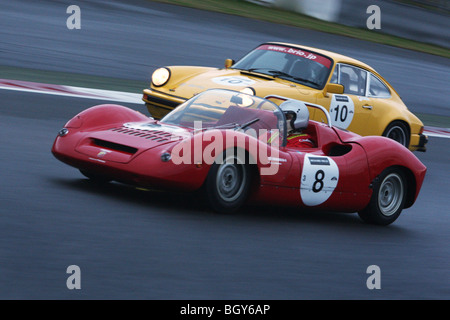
(371, 116)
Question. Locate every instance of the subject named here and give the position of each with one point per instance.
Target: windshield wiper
(225, 125)
(255, 69)
(278, 73)
(245, 125)
(259, 73)
(234, 125)
(306, 80)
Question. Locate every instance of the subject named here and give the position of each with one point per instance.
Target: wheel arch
(403, 122)
(221, 199)
(104, 114)
(410, 180)
(250, 160)
(411, 186)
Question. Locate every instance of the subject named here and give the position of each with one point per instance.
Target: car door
(338, 180)
(379, 95)
(350, 110)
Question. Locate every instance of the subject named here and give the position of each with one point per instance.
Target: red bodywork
(98, 140)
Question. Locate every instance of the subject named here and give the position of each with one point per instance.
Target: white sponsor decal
(233, 81)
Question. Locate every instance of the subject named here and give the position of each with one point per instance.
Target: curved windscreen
(293, 64)
(227, 109)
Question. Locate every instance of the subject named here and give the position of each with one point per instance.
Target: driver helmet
(297, 113)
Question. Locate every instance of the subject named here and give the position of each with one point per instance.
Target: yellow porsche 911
(357, 97)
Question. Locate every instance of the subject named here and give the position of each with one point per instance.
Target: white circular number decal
(342, 111)
(320, 176)
(233, 81)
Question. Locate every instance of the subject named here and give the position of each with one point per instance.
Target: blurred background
(420, 20)
(137, 244)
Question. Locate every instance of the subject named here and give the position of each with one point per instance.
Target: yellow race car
(357, 97)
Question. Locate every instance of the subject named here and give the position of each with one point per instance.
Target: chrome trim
(63, 132)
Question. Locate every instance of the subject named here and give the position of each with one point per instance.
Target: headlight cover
(160, 77)
(248, 90)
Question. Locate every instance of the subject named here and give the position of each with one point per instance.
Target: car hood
(190, 85)
(123, 143)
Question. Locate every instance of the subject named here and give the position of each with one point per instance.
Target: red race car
(235, 146)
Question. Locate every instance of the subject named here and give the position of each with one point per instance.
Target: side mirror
(335, 88)
(228, 63)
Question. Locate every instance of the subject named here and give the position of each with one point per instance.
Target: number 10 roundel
(320, 176)
(342, 110)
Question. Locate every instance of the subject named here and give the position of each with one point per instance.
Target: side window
(353, 79)
(334, 77)
(377, 88)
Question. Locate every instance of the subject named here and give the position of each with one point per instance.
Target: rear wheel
(388, 198)
(97, 178)
(228, 183)
(399, 132)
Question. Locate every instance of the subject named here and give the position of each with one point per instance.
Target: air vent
(114, 146)
(154, 135)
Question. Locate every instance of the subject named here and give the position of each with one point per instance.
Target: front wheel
(388, 198)
(228, 183)
(399, 132)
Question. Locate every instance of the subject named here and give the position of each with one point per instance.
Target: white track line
(71, 91)
(120, 96)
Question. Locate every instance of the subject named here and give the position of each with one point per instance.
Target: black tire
(228, 183)
(398, 131)
(388, 198)
(94, 177)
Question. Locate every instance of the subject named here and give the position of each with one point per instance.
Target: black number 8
(318, 184)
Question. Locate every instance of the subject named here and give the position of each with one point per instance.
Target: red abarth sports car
(232, 146)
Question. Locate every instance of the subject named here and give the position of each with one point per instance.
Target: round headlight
(160, 76)
(246, 101)
(248, 90)
(63, 132)
(165, 157)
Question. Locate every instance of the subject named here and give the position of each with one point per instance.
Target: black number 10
(342, 115)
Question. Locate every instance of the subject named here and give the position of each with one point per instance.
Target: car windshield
(293, 64)
(227, 109)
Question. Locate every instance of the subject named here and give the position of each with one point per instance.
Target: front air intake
(114, 146)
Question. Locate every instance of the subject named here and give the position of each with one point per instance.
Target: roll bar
(312, 105)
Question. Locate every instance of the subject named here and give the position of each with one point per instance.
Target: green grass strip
(251, 10)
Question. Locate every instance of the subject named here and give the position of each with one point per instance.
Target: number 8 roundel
(320, 176)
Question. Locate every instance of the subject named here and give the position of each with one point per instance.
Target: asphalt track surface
(135, 244)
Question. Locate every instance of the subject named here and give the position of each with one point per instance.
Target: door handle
(366, 106)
